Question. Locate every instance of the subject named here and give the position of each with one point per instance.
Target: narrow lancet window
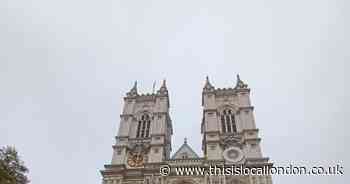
(223, 126)
(228, 122)
(143, 128)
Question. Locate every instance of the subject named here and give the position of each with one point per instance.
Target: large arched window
(143, 126)
(228, 122)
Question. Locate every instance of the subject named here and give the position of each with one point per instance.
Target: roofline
(183, 145)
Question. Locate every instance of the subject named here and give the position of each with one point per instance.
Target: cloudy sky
(66, 64)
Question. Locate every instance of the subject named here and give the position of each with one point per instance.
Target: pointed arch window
(143, 126)
(228, 121)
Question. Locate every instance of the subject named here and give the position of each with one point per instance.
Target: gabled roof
(185, 152)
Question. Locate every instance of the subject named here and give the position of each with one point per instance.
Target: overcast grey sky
(66, 64)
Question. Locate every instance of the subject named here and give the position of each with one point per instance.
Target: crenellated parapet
(143, 141)
(210, 93)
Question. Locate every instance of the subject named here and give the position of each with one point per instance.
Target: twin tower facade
(143, 143)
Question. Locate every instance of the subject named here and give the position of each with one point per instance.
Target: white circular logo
(233, 154)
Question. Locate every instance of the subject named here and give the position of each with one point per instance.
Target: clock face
(233, 154)
(135, 160)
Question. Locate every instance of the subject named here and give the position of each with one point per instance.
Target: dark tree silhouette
(12, 169)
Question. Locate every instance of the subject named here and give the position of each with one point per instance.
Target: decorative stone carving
(233, 155)
(232, 141)
(163, 89)
(137, 154)
(133, 91)
(134, 162)
(240, 84)
(208, 87)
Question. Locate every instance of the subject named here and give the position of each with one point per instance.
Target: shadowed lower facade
(143, 143)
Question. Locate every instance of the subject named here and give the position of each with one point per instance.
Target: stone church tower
(143, 143)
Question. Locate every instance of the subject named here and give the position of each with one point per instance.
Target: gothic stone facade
(143, 142)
